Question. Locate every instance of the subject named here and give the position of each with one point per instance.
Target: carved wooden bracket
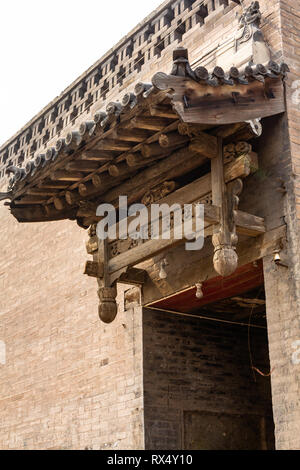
(225, 236)
(98, 268)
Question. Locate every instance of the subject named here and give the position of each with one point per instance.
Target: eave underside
(137, 143)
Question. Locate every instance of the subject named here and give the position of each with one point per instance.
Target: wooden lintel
(151, 248)
(198, 266)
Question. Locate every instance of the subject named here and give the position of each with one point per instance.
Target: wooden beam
(84, 166)
(248, 224)
(62, 175)
(172, 139)
(147, 123)
(179, 163)
(113, 145)
(224, 238)
(42, 192)
(205, 144)
(47, 184)
(151, 248)
(139, 135)
(96, 155)
(189, 270)
(232, 104)
(163, 111)
(30, 200)
(152, 150)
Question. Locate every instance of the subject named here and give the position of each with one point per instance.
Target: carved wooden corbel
(98, 268)
(226, 197)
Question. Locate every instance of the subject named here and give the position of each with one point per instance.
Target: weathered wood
(134, 159)
(163, 111)
(61, 175)
(47, 184)
(96, 155)
(94, 269)
(113, 145)
(242, 166)
(133, 276)
(119, 171)
(59, 204)
(228, 130)
(231, 105)
(139, 135)
(42, 192)
(85, 189)
(151, 150)
(38, 213)
(151, 248)
(82, 166)
(71, 198)
(97, 180)
(180, 162)
(148, 123)
(172, 140)
(225, 257)
(107, 294)
(248, 224)
(7, 195)
(191, 130)
(30, 200)
(204, 144)
(186, 271)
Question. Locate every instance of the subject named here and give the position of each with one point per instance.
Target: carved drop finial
(225, 240)
(225, 260)
(162, 273)
(108, 308)
(199, 291)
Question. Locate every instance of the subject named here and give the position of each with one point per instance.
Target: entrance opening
(207, 369)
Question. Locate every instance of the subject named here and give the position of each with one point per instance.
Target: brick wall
(282, 284)
(290, 28)
(69, 382)
(198, 373)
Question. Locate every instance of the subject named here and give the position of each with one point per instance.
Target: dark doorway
(207, 370)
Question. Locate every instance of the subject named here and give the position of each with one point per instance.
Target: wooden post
(224, 238)
(99, 268)
(108, 308)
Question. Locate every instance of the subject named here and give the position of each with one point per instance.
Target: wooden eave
(175, 117)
